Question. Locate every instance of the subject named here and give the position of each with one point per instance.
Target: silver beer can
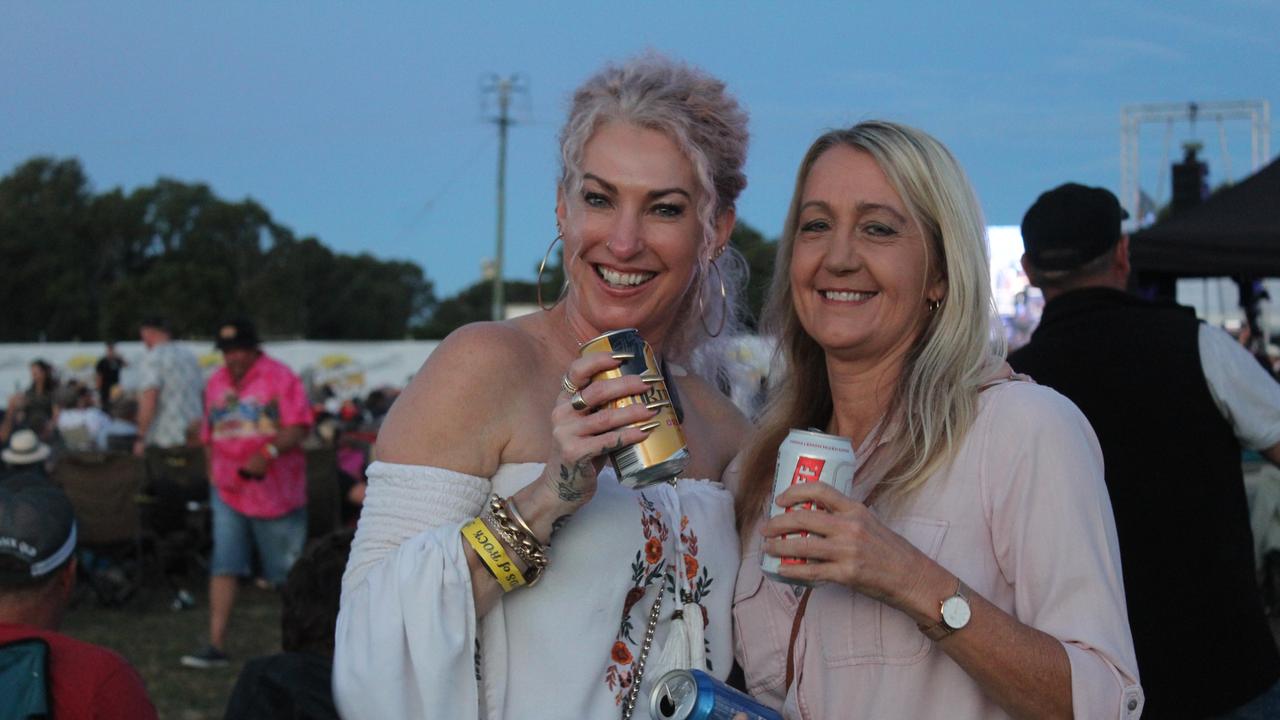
(807, 456)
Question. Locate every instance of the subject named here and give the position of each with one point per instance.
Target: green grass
(152, 637)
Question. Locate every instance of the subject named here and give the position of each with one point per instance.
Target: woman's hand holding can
(849, 545)
(582, 438)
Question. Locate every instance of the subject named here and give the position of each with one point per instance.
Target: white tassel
(685, 646)
(697, 640)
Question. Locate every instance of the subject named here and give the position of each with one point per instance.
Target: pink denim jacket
(1022, 516)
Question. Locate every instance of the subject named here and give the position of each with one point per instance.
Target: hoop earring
(543, 266)
(724, 305)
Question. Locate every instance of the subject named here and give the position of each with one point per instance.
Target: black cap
(237, 334)
(37, 525)
(1070, 225)
(159, 322)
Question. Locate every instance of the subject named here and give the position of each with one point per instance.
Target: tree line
(80, 265)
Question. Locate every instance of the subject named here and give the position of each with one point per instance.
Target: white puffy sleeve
(406, 635)
(1055, 540)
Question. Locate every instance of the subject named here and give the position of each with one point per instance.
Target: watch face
(955, 612)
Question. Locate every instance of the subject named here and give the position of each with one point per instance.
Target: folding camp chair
(104, 490)
(24, 680)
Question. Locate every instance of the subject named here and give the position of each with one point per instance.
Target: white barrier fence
(350, 368)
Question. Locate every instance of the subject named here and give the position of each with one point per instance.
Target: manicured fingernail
(650, 380)
(658, 404)
(622, 355)
(649, 427)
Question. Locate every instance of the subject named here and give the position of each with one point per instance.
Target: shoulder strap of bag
(795, 633)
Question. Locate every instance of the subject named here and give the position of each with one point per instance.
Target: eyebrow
(651, 194)
(816, 203)
(862, 207)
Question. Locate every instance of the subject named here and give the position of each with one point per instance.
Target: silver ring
(568, 385)
(577, 402)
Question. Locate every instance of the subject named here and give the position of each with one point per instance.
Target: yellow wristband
(491, 552)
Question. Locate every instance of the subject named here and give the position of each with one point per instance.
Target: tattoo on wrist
(569, 486)
(559, 523)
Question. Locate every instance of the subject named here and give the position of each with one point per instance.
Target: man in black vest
(1172, 400)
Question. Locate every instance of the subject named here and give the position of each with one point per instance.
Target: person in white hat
(25, 454)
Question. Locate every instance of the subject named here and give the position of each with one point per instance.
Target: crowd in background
(56, 434)
(73, 416)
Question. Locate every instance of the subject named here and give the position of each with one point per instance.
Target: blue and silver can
(695, 695)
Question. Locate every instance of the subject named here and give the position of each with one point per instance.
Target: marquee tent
(1236, 231)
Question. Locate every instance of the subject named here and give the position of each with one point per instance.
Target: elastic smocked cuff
(415, 492)
(403, 501)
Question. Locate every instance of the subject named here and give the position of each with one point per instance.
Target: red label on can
(808, 470)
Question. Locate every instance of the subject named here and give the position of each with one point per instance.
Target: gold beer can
(663, 454)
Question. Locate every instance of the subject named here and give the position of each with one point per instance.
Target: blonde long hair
(935, 398)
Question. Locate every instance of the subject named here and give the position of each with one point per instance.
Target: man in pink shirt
(256, 416)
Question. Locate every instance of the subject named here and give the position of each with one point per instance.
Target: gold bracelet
(525, 543)
(489, 548)
(510, 539)
(505, 514)
(518, 544)
(515, 515)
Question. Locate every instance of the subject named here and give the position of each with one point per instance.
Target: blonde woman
(974, 572)
(503, 413)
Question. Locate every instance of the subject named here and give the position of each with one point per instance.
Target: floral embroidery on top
(648, 566)
(698, 579)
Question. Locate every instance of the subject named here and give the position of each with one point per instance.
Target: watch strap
(941, 629)
(936, 631)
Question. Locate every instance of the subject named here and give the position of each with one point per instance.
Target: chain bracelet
(515, 515)
(508, 540)
(629, 705)
(519, 546)
(523, 543)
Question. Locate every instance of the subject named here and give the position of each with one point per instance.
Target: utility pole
(503, 88)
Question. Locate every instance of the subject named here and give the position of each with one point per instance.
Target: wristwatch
(955, 614)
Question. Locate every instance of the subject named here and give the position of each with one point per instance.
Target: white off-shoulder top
(408, 642)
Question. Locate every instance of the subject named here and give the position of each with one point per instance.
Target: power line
(447, 186)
